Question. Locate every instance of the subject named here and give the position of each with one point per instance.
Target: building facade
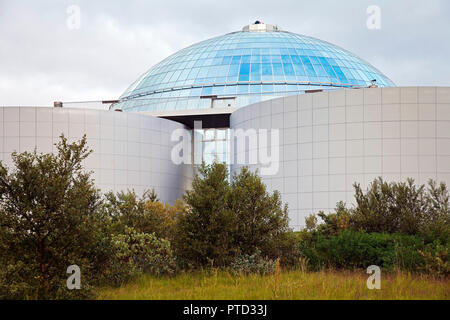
(330, 140)
(130, 151)
(311, 117)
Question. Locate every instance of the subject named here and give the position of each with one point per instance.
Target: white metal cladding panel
(126, 155)
(347, 136)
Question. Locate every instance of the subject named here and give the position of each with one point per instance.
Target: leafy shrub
(261, 219)
(204, 231)
(285, 247)
(400, 207)
(334, 222)
(135, 253)
(396, 207)
(393, 225)
(311, 222)
(222, 219)
(355, 250)
(49, 219)
(252, 264)
(436, 260)
(144, 213)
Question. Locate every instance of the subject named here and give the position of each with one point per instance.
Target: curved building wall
(131, 151)
(329, 140)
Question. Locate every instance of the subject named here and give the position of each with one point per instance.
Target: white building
(336, 120)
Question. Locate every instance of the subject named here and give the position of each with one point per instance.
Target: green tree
(144, 214)
(261, 219)
(223, 220)
(127, 209)
(402, 207)
(48, 221)
(436, 217)
(137, 253)
(204, 231)
(395, 207)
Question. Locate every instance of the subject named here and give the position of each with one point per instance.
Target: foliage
(141, 228)
(311, 222)
(48, 221)
(393, 225)
(334, 222)
(357, 250)
(223, 219)
(52, 216)
(136, 253)
(145, 214)
(436, 260)
(203, 232)
(402, 207)
(253, 263)
(396, 207)
(285, 247)
(261, 219)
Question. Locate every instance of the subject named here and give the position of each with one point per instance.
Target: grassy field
(290, 285)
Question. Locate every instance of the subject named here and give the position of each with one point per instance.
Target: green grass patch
(292, 285)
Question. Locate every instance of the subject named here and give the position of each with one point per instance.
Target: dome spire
(259, 26)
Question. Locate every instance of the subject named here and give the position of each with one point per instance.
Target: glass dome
(236, 69)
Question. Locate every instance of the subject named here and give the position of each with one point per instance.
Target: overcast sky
(43, 60)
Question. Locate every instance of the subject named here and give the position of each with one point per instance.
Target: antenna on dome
(259, 26)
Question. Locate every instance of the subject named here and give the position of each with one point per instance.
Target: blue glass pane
(256, 72)
(230, 90)
(236, 60)
(207, 91)
(234, 70)
(242, 89)
(245, 59)
(255, 89)
(266, 69)
(226, 60)
(285, 63)
(243, 72)
(278, 71)
(288, 69)
(267, 88)
(298, 68)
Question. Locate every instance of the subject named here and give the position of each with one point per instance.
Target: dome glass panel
(245, 67)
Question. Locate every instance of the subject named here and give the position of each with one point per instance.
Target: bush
(436, 260)
(261, 219)
(136, 253)
(402, 208)
(285, 247)
(333, 222)
(252, 264)
(223, 219)
(355, 250)
(204, 231)
(49, 219)
(393, 225)
(394, 208)
(145, 214)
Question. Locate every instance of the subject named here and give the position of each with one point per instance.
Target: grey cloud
(41, 60)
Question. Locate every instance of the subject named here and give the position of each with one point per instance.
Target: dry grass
(290, 285)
